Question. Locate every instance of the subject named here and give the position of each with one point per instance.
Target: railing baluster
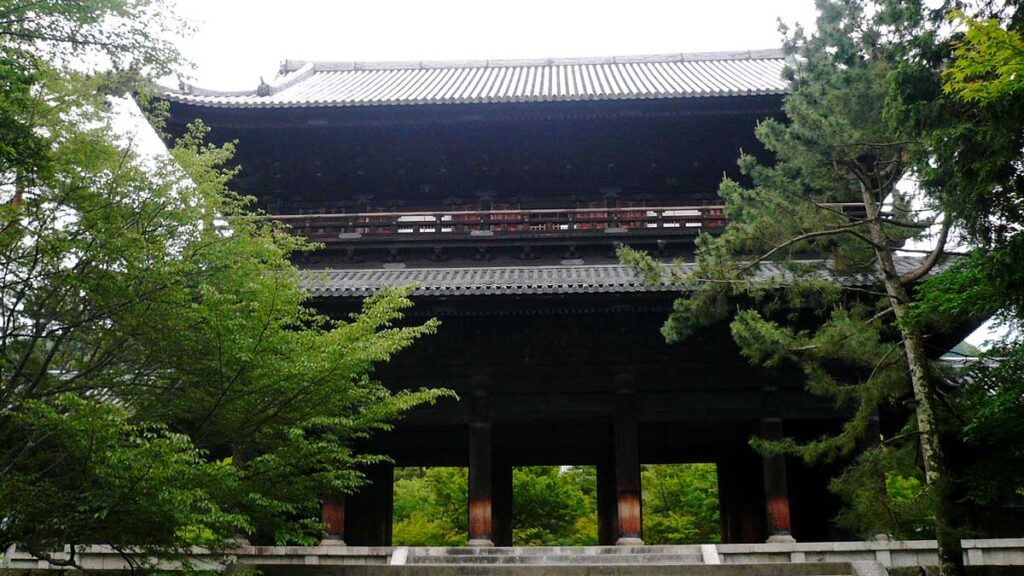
(545, 221)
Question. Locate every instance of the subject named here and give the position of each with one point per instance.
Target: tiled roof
(304, 83)
(497, 280)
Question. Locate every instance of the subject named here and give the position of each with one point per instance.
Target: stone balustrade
(328, 559)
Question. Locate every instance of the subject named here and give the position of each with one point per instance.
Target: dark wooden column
(385, 479)
(727, 515)
(369, 513)
(607, 503)
(776, 490)
(501, 500)
(741, 496)
(627, 471)
(481, 531)
(332, 514)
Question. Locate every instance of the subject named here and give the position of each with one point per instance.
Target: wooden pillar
(369, 513)
(385, 479)
(501, 512)
(480, 504)
(607, 502)
(726, 472)
(332, 514)
(741, 496)
(627, 471)
(776, 490)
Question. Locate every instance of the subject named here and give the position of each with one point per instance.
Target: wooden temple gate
(501, 189)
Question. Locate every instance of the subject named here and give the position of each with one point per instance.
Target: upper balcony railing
(556, 222)
(566, 222)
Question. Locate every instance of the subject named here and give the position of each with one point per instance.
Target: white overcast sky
(238, 41)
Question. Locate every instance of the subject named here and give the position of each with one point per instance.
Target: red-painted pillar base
(332, 514)
(627, 472)
(481, 531)
(776, 490)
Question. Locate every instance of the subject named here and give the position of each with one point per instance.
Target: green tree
(551, 506)
(546, 507)
(840, 145)
(680, 504)
(431, 507)
(163, 383)
(977, 131)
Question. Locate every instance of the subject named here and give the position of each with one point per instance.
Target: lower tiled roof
(499, 280)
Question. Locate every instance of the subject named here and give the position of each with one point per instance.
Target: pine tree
(830, 204)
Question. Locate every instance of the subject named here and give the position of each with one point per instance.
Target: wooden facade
(512, 211)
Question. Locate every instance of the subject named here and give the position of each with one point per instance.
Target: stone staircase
(596, 561)
(558, 556)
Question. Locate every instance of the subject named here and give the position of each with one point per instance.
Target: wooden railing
(571, 221)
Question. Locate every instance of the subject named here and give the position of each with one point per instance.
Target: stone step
(553, 550)
(768, 569)
(557, 559)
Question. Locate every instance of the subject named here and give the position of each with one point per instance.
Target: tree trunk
(950, 551)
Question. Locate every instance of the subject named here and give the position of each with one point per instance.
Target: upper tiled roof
(303, 83)
(497, 280)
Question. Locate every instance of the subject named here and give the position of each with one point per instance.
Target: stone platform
(783, 559)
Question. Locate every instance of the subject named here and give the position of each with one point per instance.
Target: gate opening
(554, 506)
(680, 504)
(431, 506)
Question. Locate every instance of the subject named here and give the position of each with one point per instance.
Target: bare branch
(933, 258)
(848, 229)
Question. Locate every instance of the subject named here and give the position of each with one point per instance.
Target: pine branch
(933, 258)
(848, 229)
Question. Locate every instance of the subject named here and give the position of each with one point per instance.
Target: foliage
(987, 63)
(978, 136)
(827, 203)
(884, 493)
(989, 389)
(547, 504)
(431, 507)
(557, 507)
(835, 147)
(89, 474)
(120, 41)
(680, 504)
(162, 380)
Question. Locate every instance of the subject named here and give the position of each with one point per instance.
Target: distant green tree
(680, 504)
(547, 505)
(431, 507)
(550, 506)
(585, 479)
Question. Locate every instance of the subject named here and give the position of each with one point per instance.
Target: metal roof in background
(311, 84)
(529, 280)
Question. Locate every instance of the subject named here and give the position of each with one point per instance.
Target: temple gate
(501, 190)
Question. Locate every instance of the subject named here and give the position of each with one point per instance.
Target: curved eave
(208, 102)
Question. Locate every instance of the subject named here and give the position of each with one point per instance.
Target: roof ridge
(288, 66)
(464, 268)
